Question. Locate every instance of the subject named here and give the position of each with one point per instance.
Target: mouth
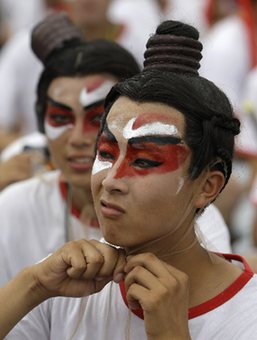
(81, 163)
(111, 210)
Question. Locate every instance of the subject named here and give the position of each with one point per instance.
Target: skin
(66, 272)
(91, 16)
(72, 151)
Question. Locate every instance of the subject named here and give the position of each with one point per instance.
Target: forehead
(65, 89)
(125, 109)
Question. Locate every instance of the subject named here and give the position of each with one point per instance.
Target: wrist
(35, 291)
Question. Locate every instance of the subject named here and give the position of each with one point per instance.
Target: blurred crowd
(228, 30)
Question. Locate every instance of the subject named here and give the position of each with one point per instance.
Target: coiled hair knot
(173, 49)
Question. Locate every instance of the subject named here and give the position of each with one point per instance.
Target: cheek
(56, 150)
(96, 184)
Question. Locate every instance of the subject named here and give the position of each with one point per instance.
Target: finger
(143, 277)
(111, 256)
(76, 262)
(94, 260)
(148, 261)
(136, 294)
(83, 260)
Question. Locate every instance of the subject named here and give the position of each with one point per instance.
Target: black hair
(210, 125)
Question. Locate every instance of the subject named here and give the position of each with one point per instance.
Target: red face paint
(144, 158)
(107, 150)
(57, 116)
(95, 85)
(92, 118)
(153, 159)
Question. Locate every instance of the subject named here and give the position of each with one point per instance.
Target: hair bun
(52, 33)
(174, 47)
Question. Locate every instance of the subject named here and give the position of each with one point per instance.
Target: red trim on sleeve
(215, 302)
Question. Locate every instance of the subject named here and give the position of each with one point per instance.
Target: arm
(79, 268)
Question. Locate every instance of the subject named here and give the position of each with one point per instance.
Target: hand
(162, 292)
(15, 169)
(79, 268)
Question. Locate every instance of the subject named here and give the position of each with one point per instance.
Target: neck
(177, 241)
(81, 197)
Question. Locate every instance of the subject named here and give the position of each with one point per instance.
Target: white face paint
(54, 132)
(151, 129)
(100, 165)
(89, 97)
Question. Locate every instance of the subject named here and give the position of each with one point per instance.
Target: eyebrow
(59, 105)
(161, 140)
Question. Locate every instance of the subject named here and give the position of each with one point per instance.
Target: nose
(115, 185)
(81, 138)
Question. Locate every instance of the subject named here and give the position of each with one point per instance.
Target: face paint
(151, 158)
(135, 128)
(92, 118)
(59, 119)
(152, 148)
(95, 93)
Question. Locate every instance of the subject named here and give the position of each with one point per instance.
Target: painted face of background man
(74, 110)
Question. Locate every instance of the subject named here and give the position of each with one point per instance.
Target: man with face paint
(164, 153)
(57, 206)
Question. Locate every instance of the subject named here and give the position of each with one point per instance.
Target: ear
(209, 189)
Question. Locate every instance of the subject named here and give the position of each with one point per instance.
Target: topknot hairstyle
(51, 33)
(210, 125)
(64, 53)
(174, 47)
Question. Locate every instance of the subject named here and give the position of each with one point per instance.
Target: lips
(111, 210)
(80, 163)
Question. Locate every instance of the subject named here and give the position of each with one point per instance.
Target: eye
(96, 120)
(145, 163)
(105, 155)
(59, 119)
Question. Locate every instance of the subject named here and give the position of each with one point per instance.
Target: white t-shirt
(23, 14)
(105, 316)
(247, 139)
(19, 74)
(35, 221)
(226, 57)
